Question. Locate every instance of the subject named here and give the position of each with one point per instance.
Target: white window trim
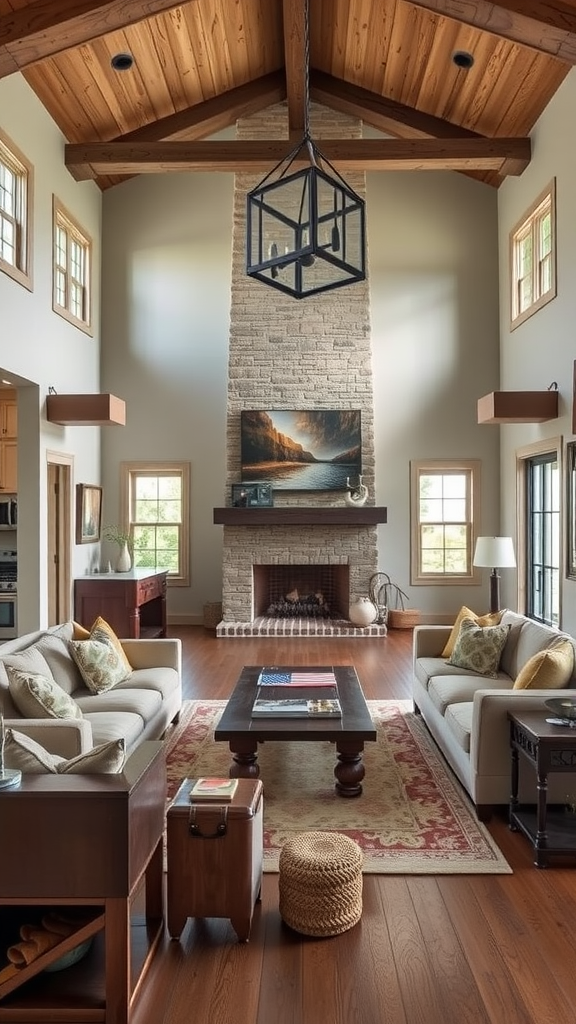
(15, 159)
(75, 230)
(529, 221)
(417, 467)
(127, 470)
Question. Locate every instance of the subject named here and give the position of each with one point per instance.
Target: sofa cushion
(458, 720)
(479, 647)
(102, 631)
(144, 703)
(550, 669)
(490, 619)
(532, 637)
(100, 665)
(446, 690)
(38, 696)
(31, 758)
(63, 669)
(115, 725)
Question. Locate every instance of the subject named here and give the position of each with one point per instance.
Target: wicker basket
(212, 614)
(400, 618)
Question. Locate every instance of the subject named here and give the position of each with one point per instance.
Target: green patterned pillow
(479, 648)
(100, 664)
(38, 696)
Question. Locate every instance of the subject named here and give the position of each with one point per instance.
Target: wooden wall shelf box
(300, 515)
(518, 407)
(86, 410)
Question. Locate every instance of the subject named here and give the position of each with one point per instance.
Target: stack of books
(297, 707)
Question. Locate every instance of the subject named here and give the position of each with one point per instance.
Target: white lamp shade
(494, 553)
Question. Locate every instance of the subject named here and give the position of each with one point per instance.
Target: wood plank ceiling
(199, 66)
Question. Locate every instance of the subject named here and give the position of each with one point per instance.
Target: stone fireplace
(289, 354)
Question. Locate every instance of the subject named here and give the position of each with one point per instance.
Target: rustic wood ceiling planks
(201, 64)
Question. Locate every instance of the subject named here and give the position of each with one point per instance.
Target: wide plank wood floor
(475, 949)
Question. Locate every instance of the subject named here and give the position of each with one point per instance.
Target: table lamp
(495, 553)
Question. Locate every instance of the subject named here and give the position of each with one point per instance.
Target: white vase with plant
(124, 542)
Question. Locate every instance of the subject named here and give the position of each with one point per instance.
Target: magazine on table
(208, 788)
(302, 677)
(296, 708)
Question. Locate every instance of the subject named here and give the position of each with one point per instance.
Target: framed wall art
(88, 513)
(252, 495)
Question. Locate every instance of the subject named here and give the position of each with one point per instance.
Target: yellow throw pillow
(103, 632)
(550, 669)
(79, 633)
(490, 619)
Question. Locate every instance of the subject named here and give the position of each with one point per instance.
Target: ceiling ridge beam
(545, 27)
(213, 115)
(89, 161)
(381, 113)
(47, 27)
(294, 21)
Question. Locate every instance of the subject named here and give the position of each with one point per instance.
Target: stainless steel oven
(8, 595)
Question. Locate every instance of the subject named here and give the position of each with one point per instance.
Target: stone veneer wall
(295, 354)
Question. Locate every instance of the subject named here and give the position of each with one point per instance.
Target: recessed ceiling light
(122, 61)
(462, 59)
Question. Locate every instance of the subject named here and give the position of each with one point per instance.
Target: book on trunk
(303, 677)
(296, 708)
(207, 788)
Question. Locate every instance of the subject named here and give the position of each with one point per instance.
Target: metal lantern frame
(306, 230)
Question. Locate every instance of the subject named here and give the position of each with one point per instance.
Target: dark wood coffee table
(243, 733)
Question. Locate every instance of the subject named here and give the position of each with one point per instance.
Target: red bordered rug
(413, 816)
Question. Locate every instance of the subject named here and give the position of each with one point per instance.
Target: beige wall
(542, 349)
(39, 349)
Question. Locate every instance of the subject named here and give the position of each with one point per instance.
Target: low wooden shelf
(300, 515)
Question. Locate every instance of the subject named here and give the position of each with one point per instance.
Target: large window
(72, 258)
(543, 537)
(15, 212)
(533, 258)
(444, 502)
(156, 502)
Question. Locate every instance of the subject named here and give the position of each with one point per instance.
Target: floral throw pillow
(100, 664)
(38, 696)
(479, 648)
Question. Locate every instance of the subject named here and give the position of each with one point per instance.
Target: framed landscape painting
(88, 513)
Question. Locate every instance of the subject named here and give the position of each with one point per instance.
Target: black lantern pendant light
(305, 229)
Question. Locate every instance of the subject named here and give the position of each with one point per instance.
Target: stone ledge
(264, 626)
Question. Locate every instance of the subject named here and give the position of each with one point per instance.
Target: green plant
(118, 536)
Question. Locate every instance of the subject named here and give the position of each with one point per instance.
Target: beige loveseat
(138, 708)
(467, 713)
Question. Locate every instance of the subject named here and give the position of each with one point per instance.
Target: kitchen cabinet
(8, 443)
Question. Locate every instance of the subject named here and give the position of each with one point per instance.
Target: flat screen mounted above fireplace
(301, 450)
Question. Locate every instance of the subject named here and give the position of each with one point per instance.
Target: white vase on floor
(124, 561)
(362, 612)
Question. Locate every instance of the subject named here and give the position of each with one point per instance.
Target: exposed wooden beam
(215, 114)
(47, 27)
(548, 26)
(295, 59)
(91, 160)
(386, 115)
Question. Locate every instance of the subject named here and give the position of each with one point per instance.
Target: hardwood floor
(475, 949)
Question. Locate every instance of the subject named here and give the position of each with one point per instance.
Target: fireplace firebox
(283, 591)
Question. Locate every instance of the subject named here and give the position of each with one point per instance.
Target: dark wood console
(90, 843)
(133, 603)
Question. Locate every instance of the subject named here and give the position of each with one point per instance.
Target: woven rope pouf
(320, 883)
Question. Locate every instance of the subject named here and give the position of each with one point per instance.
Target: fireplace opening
(301, 591)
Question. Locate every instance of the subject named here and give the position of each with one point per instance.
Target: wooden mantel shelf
(300, 515)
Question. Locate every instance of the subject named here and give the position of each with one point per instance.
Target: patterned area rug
(413, 816)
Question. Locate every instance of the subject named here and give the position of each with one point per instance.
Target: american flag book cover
(300, 677)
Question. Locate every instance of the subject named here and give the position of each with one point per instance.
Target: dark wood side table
(550, 748)
(133, 603)
(88, 842)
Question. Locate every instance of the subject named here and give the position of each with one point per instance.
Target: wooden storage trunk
(214, 857)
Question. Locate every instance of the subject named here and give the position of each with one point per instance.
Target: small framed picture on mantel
(252, 496)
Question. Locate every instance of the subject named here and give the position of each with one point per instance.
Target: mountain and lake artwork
(306, 450)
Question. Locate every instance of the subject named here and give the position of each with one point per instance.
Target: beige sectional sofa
(138, 708)
(467, 713)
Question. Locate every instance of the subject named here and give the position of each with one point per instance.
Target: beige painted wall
(542, 349)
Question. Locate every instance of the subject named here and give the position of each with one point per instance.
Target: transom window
(71, 270)
(156, 508)
(444, 499)
(533, 258)
(15, 212)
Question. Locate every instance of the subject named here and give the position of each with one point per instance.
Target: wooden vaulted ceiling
(200, 65)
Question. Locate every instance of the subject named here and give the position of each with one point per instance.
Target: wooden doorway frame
(59, 473)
